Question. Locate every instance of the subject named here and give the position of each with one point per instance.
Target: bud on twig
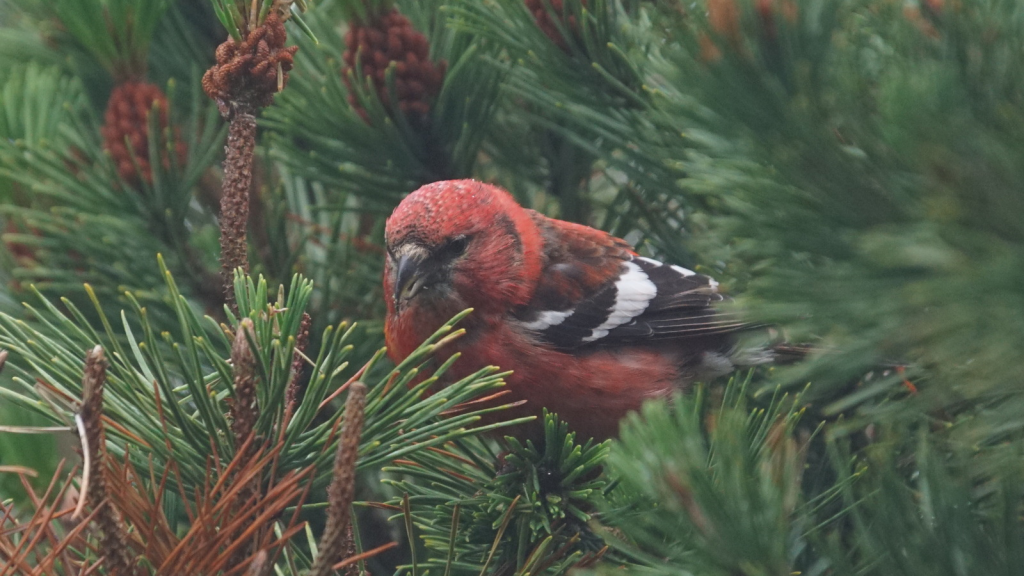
(295, 383)
(244, 409)
(118, 558)
(342, 488)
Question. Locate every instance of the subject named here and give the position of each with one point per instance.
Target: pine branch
(330, 247)
(78, 219)
(689, 468)
(830, 173)
(194, 371)
(341, 128)
(914, 507)
(116, 32)
(42, 99)
(532, 507)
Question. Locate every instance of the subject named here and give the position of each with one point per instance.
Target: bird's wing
(594, 290)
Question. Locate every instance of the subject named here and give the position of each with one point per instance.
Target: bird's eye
(456, 247)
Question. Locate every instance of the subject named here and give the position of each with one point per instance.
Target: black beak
(408, 278)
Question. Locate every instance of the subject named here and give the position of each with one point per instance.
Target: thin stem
(234, 202)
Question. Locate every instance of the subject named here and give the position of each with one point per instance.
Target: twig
(234, 203)
(114, 541)
(342, 488)
(296, 384)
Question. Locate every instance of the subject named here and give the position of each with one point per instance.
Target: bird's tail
(779, 354)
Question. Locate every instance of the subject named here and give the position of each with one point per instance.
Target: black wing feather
(681, 308)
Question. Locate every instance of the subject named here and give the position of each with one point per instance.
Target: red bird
(590, 328)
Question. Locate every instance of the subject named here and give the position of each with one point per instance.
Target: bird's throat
(419, 319)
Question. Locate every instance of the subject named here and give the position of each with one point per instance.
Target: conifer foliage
(192, 201)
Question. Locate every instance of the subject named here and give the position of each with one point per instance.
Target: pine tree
(192, 196)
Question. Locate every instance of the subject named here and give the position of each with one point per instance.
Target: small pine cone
(245, 75)
(126, 124)
(539, 9)
(391, 39)
(724, 18)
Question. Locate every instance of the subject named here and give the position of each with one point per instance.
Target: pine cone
(540, 14)
(245, 75)
(724, 18)
(126, 123)
(392, 38)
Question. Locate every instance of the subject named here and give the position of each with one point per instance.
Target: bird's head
(458, 244)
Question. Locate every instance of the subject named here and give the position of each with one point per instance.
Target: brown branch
(114, 544)
(342, 489)
(234, 202)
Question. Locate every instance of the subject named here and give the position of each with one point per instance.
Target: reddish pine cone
(540, 14)
(392, 38)
(724, 18)
(126, 123)
(245, 75)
